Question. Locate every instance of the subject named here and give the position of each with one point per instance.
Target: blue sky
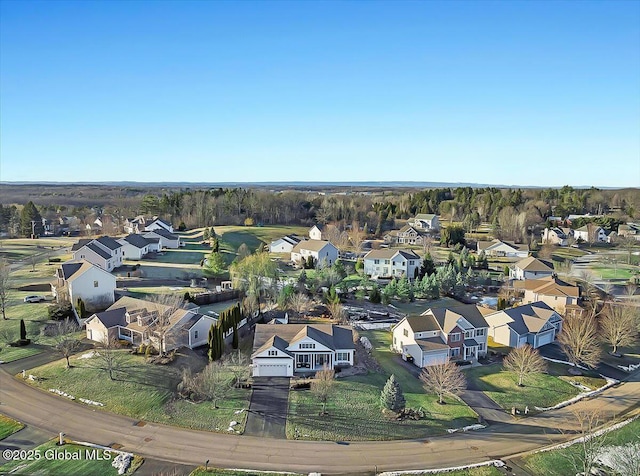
(528, 93)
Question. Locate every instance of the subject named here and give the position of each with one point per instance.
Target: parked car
(34, 299)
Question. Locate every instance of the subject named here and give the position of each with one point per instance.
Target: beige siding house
(391, 263)
(83, 280)
(530, 268)
(323, 252)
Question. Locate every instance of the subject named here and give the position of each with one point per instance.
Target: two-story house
(554, 236)
(83, 280)
(557, 294)
(284, 244)
(104, 252)
(425, 222)
(323, 252)
(392, 263)
(286, 349)
(158, 223)
(590, 233)
(407, 235)
(135, 225)
(438, 335)
(530, 268)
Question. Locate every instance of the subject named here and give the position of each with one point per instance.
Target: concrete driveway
(267, 416)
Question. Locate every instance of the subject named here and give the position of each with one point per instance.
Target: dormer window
(272, 353)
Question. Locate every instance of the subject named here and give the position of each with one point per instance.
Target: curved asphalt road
(53, 414)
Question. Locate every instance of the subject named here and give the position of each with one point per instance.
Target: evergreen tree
(206, 234)
(403, 289)
(28, 215)
(391, 396)
(215, 265)
(428, 266)
(23, 330)
(374, 295)
(234, 342)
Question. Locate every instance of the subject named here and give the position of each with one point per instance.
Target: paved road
(267, 415)
(554, 351)
(53, 414)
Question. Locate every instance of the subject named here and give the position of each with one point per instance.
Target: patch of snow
(494, 462)
(622, 459)
(564, 362)
(91, 402)
(610, 383)
(61, 393)
(629, 368)
(366, 343)
(88, 355)
(477, 426)
(595, 434)
(122, 462)
(233, 423)
(584, 388)
(238, 411)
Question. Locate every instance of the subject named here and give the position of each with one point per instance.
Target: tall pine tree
(391, 396)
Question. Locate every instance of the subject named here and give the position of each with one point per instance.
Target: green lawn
(355, 413)
(10, 354)
(620, 272)
(183, 255)
(479, 471)
(200, 471)
(143, 391)
(558, 462)
(492, 345)
(8, 426)
(541, 390)
(52, 463)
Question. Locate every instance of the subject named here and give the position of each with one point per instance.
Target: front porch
(132, 336)
(312, 362)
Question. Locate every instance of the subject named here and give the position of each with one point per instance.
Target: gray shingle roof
(431, 343)
(164, 233)
(330, 335)
(80, 244)
(138, 241)
(109, 242)
(112, 318)
(422, 323)
(68, 269)
(100, 251)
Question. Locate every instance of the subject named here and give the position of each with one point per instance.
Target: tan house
(144, 322)
(530, 268)
(407, 235)
(554, 236)
(499, 248)
(557, 294)
(322, 232)
(425, 222)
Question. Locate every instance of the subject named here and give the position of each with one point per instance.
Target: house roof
(138, 241)
(431, 343)
(311, 245)
(81, 243)
(141, 306)
(559, 233)
(331, 335)
(274, 341)
(483, 245)
(532, 264)
(72, 270)
(160, 220)
(425, 216)
(447, 318)
(195, 319)
(99, 250)
(524, 319)
(549, 286)
(109, 242)
(112, 317)
(422, 323)
(164, 233)
(390, 253)
(470, 342)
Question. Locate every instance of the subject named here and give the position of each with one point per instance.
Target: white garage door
(272, 370)
(432, 359)
(546, 338)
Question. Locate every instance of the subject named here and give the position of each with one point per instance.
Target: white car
(34, 298)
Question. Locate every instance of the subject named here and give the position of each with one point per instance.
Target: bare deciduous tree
(337, 312)
(300, 303)
(5, 286)
(618, 326)
(323, 385)
(109, 357)
(579, 340)
(168, 305)
(65, 343)
(215, 382)
(587, 444)
(237, 363)
(356, 235)
(444, 378)
(524, 361)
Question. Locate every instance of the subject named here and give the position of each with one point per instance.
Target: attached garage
(545, 338)
(273, 368)
(433, 358)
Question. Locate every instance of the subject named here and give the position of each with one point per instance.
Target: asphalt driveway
(267, 414)
(553, 351)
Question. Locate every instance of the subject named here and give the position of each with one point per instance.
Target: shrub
(60, 312)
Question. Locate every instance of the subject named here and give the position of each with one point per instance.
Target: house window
(195, 334)
(479, 332)
(307, 346)
(480, 347)
(455, 337)
(376, 261)
(405, 332)
(394, 341)
(455, 352)
(468, 334)
(95, 284)
(387, 261)
(273, 352)
(411, 262)
(343, 356)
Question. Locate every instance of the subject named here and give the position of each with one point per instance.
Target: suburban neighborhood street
(53, 414)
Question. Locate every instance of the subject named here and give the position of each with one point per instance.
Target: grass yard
(355, 413)
(479, 471)
(620, 272)
(8, 426)
(492, 345)
(558, 462)
(541, 390)
(59, 466)
(10, 354)
(144, 391)
(181, 255)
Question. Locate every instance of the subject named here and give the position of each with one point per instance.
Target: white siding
(84, 287)
(433, 358)
(199, 333)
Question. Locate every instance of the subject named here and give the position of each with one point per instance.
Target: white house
(438, 335)
(323, 252)
(104, 252)
(590, 233)
(135, 225)
(286, 349)
(499, 248)
(631, 230)
(406, 235)
(390, 263)
(322, 232)
(144, 322)
(530, 268)
(157, 224)
(167, 240)
(83, 280)
(554, 236)
(134, 247)
(535, 324)
(552, 291)
(425, 221)
(284, 244)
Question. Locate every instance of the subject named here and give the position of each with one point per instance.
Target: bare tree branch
(444, 378)
(580, 341)
(524, 361)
